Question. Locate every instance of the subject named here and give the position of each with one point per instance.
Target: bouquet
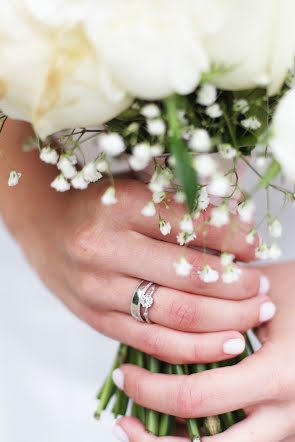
(189, 91)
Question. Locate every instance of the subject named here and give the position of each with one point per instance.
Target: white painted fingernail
(120, 434)
(234, 346)
(118, 378)
(264, 285)
(267, 311)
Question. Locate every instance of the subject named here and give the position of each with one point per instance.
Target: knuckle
(183, 315)
(189, 399)
(81, 244)
(87, 289)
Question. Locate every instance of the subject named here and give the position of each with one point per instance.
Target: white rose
(258, 40)
(283, 140)
(53, 77)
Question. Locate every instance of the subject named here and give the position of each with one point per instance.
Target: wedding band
(135, 306)
(147, 301)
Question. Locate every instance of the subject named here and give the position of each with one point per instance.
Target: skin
(93, 256)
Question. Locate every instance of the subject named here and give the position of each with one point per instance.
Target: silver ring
(147, 301)
(135, 306)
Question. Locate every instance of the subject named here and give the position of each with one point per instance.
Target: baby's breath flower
(150, 111)
(149, 209)
(13, 178)
(48, 155)
(226, 259)
(141, 156)
(207, 94)
(231, 274)
(205, 165)
(90, 172)
(203, 200)
(66, 166)
(261, 163)
(182, 267)
(158, 197)
(186, 224)
(200, 141)
(60, 184)
(274, 251)
(172, 161)
(165, 227)
(262, 252)
(251, 123)
(102, 165)
(160, 180)
(208, 274)
(156, 150)
(275, 229)
(79, 182)
(220, 216)
(111, 143)
(156, 127)
(109, 197)
(219, 185)
(214, 111)
(185, 237)
(246, 210)
(196, 214)
(241, 105)
(227, 151)
(251, 236)
(180, 197)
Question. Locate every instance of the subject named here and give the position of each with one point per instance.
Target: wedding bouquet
(188, 91)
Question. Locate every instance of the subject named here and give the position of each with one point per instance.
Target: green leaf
(271, 173)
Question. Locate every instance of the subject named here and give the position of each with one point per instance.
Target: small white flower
(182, 267)
(261, 163)
(226, 259)
(160, 180)
(60, 184)
(109, 197)
(262, 252)
(13, 178)
(200, 141)
(208, 274)
(186, 224)
(149, 209)
(231, 274)
(102, 166)
(207, 94)
(150, 110)
(274, 251)
(185, 237)
(48, 155)
(156, 127)
(214, 111)
(205, 165)
(220, 216)
(251, 236)
(132, 128)
(73, 159)
(246, 210)
(172, 161)
(196, 214)
(66, 166)
(165, 227)
(141, 156)
(112, 143)
(79, 182)
(241, 105)
(156, 150)
(251, 123)
(203, 200)
(180, 197)
(275, 229)
(90, 172)
(227, 151)
(158, 197)
(219, 185)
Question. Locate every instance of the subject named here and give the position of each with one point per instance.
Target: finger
(129, 429)
(204, 394)
(254, 428)
(182, 311)
(155, 261)
(167, 344)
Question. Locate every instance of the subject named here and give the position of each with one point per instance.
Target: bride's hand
(263, 384)
(92, 257)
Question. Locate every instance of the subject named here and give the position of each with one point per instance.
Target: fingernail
(264, 285)
(118, 378)
(120, 434)
(234, 346)
(267, 311)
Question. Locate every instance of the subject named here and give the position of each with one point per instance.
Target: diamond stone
(147, 301)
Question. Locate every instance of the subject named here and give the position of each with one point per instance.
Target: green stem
(152, 417)
(167, 422)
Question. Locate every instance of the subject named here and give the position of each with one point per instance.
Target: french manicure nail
(267, 311)
(234, 346)
(264, 285)
(118, 378)
(120, 434)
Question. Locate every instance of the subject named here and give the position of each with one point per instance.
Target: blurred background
(52, 364)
